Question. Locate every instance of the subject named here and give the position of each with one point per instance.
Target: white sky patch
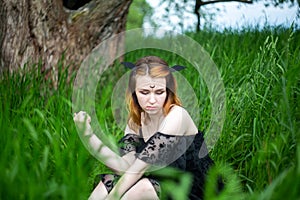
(231, 14)
(237, 15)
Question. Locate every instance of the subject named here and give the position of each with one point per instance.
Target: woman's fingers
(82, 116)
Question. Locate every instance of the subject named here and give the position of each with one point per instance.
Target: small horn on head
(128, 65)
(177, 68)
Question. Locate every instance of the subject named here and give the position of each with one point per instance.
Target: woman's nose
(152, 98)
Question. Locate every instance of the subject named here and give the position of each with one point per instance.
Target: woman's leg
(105, 185)
(99, 193)
(142, 190)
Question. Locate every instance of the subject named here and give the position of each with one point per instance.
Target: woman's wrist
(88, 134)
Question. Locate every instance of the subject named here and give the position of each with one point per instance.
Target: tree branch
(202, 3)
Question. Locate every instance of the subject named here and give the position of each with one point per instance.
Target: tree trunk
(33, 31)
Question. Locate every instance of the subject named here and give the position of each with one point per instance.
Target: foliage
(262, 124)
(258, 154)
(139, 13)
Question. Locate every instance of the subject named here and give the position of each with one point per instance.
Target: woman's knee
(99, 193)
(143, 189)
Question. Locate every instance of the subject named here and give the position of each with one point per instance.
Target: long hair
(155, 67)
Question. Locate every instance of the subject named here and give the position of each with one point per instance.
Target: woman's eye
(144, 92)
(160, 92)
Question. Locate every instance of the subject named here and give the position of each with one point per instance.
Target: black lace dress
(186, 153)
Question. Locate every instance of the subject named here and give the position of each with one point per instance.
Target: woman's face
(151, 93)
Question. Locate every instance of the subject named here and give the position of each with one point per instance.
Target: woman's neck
(156, 118)
(152, 124)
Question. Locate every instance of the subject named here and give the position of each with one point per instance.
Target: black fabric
(187, 153)
(109, 180)
(129, 143)
(162, 149)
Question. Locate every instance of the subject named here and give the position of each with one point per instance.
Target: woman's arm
(111, 159)
(132, 175)
(104, 153)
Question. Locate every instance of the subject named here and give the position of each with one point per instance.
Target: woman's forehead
(149, 82)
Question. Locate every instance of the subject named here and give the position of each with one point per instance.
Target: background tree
(200, 3)
(140, 12)
(41, 31)
(178, 7)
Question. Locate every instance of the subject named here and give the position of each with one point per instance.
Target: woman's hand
(83, 122)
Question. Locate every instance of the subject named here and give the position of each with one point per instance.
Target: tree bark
(33, 31)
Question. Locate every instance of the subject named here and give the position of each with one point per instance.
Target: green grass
(258, 152)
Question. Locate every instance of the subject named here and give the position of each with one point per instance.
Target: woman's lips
(150, 108)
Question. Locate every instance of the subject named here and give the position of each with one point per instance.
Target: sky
(233, 15)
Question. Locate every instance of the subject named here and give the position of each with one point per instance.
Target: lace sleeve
(128, 143)
(162, 149)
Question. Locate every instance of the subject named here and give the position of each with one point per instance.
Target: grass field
(258, 152)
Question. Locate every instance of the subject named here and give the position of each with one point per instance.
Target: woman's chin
(152, 112)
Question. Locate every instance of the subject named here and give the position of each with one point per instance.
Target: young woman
(159, 132)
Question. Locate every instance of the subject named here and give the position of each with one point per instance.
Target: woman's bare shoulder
(178, 122)
(178, 113)
(177, 110)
